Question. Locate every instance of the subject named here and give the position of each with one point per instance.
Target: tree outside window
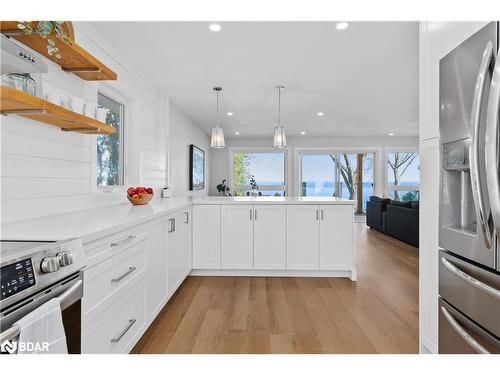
(403, 175)
(110, 147)
(267, 168)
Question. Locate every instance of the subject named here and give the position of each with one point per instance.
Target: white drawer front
(103, 248)
(120, 330)
(107, 281)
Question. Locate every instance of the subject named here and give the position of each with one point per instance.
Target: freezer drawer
(471, 289)
(460, 335)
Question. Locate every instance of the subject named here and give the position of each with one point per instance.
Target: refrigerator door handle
(463, 333)
(491, 146)
(477, 189)
(485, 288)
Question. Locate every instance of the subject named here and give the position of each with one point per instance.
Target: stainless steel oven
(32, 273)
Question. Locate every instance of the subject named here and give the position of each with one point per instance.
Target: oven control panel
(16, 277)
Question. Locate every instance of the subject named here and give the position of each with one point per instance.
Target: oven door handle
(64, 297)
(14, 331)
(459, 329)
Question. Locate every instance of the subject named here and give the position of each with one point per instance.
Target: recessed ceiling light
(320, 113)
(214, 27)
(391, 134)
(237, 133)
(342, 25)
(303, 133)
(230, 113)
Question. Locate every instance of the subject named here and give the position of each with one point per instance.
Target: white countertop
(95, 223)
(271, 200)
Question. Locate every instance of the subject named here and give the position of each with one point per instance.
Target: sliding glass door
(343, 175)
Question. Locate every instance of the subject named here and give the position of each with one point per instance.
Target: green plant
(410, 196)
(223, 188)
(44, 29)
(253, 183)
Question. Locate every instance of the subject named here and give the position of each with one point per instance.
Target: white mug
(100, 114)
(89, 109)
(76, 103)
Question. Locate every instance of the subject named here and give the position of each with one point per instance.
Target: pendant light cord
(279, 106)
(280, 89)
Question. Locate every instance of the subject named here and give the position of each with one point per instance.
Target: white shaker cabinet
(269, 237)
(237, 236)
(187, 235)
(206, 237)
(175, 261)
(157, 265)
(302, 237)
(178, 248)
(336, 237)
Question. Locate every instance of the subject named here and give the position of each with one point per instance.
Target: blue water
(326, 189)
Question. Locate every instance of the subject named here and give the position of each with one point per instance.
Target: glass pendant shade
(279, 131)
(279, 137)
(217, 138)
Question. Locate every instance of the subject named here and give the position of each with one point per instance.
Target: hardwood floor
(376, 314)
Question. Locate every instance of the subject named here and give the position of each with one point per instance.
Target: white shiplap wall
(46, 171)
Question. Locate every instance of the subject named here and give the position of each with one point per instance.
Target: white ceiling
(364, 78)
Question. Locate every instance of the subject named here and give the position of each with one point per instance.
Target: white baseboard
(351, 274)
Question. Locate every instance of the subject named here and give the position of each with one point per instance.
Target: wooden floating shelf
(73, 57)
(15, 102)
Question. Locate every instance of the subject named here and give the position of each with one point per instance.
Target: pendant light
(217, 140)
(279, 131)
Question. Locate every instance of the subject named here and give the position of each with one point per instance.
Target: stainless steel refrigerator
(469, 225)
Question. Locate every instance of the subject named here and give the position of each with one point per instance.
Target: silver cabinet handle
(187, 217)
(459, 329)
(130, 324)
(119, 243)
(317, 214)
(491, 146)
(172, 225)
(471, 280)
(322, 215)
(251, 214)
(255, 214)
(475, 169)
(120, 278)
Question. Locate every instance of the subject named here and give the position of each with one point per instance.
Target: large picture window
(268, 168)
(333, 174)
(110, 147)
(403, 175)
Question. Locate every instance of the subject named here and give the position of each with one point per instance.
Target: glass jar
(20, 81)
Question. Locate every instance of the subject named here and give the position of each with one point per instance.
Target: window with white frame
(403, 175)
(110, 148)
(266, 168)
(338, 174)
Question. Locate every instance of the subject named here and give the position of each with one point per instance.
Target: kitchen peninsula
(147, 251)
(273, 236)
